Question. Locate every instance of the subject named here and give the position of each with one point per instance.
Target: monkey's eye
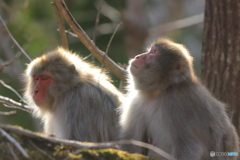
(35, 78)
(153, 51)
(43, 77)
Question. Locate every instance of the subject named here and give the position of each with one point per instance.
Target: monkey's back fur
(83, 101)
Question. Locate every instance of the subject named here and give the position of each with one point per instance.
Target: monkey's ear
(178, 68)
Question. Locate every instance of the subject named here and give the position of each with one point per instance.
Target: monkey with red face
(168, 106)
(74, 99)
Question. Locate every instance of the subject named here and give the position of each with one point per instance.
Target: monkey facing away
(168, 107)
(74, 99)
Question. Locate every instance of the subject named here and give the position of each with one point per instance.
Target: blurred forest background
(33, 24)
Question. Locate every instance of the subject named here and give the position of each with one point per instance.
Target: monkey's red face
(40, 90)
(140, 61)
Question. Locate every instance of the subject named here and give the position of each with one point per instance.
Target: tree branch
(97, 21)
(80, 145)
(8, 113)
(100, 55)
(5, 64)
(12, 89)
(11, 151)
(40, 150)
(61, 27)
(110, 41)
(13, 104)
(59, 141)
(95, 32)
(14, 41)
(16, 144)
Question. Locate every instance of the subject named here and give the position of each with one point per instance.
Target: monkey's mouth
(38, 102)
(134, 66)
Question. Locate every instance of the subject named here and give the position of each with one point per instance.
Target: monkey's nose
(36, 91)
(137, 57)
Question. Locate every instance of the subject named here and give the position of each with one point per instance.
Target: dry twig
(148, 146)
(71, 33)
(14, 142)
(80, 145)
(61, 27)
(13, 104)
(97, 21)
(8, 113)
(95, 32)
(110, 41)
(5, 64)
(12, 89)
(40, 150)
(12, 152)
(100, 55)
(14, 41)
(55, 140)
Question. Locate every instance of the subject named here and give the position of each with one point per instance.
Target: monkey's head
(50, 75)
(164, 64)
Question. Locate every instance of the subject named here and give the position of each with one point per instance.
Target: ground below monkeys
(74, 99)
(167, 106)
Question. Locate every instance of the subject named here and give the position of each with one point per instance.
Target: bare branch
(71, 33)
(8, 113)
(97, 21)
(14, 41)
(86, 57)
(61, 27)
(40, 150)
(5, 64)
(81, 145)
(12, 152)
(96, 25)
(59, 141)
(13, 104)
(12, 89)
(182, 23)
(148, 146)
(16, 144)
(100, 55)
(110, 41)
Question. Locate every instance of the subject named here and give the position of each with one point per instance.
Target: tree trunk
(221, 54)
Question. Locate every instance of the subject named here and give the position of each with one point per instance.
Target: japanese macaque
(75, 100)
(168, 107)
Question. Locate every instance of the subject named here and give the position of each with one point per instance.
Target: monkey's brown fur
(168, 107)
(81, 100)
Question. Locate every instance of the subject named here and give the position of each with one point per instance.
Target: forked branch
(13, 104)
(100, 55)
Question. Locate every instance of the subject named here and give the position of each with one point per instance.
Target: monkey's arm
(133, 127)
(135, 133)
